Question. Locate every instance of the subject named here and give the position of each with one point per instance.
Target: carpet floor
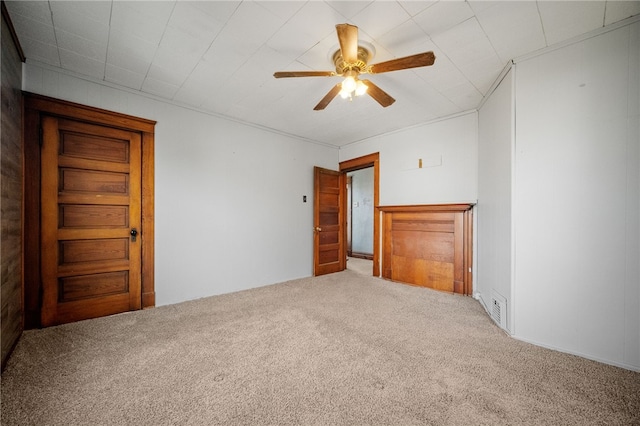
(341, 349)
(361, 266)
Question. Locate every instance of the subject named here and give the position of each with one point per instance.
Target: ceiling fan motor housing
(364, 55)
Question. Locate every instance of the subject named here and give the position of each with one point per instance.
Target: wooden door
(329, 222)
(90, 214)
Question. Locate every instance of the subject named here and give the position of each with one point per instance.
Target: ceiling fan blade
(328, 97)
(413, 61)
(348, 37)
(281, 74)
(382, 97)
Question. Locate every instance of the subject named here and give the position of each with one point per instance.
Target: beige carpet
(343, 349)
(361, 266)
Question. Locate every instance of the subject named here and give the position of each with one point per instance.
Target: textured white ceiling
(220, 56)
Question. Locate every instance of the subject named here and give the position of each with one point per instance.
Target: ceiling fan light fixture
(352, 86)
(349, 84)
(361, 88)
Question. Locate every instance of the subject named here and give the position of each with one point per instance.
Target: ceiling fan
(350, 61)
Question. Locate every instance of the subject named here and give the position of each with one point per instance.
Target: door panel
(90, 202)
(329, 221)
(92, 286)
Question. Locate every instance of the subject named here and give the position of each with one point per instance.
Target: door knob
(318, 229)
(134, 234)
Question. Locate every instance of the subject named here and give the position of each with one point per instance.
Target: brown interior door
(329, 232)
(90, 220)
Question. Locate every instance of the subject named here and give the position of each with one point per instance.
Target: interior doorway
(360, 213)
(369, 165)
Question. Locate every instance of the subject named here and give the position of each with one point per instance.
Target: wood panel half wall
(429, 246)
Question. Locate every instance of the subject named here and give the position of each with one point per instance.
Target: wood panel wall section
(36, 106)
(11, 182)
(429, 246)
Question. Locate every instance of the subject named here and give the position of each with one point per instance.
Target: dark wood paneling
(31, 240)
(11, 183)
(429, 246)
(12, 33)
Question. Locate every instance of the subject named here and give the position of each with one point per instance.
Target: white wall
(449, 153)
(493, 212)
(229, 211)
(577, 198)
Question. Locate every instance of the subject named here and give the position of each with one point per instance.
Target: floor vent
(499, 310)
